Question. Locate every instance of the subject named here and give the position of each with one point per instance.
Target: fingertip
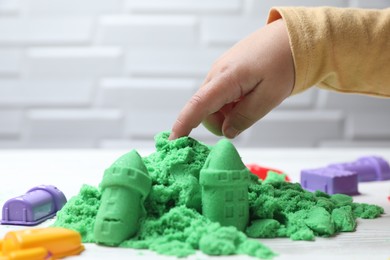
(172, 136)
(177, 133)
(179, 128)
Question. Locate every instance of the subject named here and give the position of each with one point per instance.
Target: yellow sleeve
(341, 49)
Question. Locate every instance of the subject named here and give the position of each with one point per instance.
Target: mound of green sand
(174, 226)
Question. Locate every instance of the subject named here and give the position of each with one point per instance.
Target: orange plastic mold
(40, 244)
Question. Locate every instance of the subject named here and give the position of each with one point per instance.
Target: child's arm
(243, 85)
(342, 49)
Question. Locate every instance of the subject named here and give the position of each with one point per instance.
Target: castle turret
(125, 186)
(224, 179)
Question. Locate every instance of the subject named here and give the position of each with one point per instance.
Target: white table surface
(21, 170)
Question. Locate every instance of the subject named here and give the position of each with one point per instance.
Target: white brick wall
(20, 93)
(9, 6)
(172, 62)
(26, 31)
(228, 29)
(73, 62)
(72, 7)
(71, 127)
(106, 74)
(10, 61)
(144, 94)
(157, 31)
(11, 121)
(296, 128)
(187, 6)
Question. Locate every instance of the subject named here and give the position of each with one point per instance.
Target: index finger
(207, 100)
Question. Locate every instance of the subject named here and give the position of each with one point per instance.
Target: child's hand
(243, 85)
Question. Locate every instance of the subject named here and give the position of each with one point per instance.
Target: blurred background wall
(113, 73)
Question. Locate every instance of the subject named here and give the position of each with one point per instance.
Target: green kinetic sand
(175, 226)
(224, 179)
(124, 188)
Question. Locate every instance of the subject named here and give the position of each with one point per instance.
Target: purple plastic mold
(330, 180)
(37, 205)
(368, 168)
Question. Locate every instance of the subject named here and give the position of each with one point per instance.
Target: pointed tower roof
(130, 160)
(224, 156)
(128, 171)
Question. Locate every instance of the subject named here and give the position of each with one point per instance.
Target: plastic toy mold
(368, 168)
(37, 205)
(40, 244)
(330, 181)
(344, 177)
(262, 172)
